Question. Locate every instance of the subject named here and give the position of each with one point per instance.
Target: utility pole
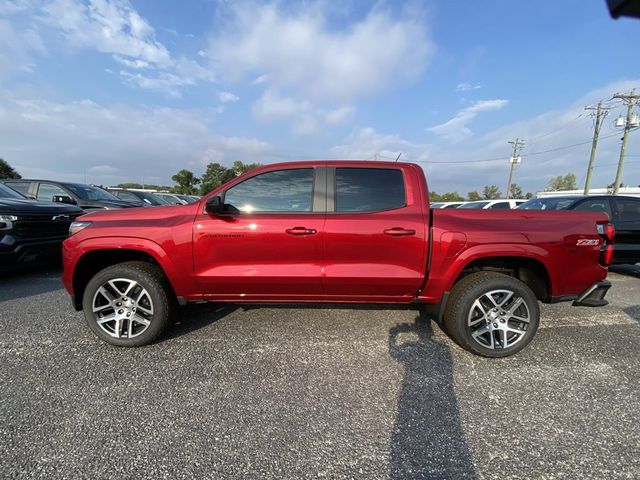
(630, 123)
(514, 159)
(601, 112)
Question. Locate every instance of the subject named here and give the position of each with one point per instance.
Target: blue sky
(116, 90)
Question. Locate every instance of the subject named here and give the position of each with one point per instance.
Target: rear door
(375, 234)
(626, 220)
(269, 245)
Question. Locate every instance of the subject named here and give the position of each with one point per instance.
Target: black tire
(140, 314)
(478, 321)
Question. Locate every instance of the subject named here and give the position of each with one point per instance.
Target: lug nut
(120, 311)
(495, 325)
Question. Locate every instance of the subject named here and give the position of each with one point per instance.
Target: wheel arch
(94, 261)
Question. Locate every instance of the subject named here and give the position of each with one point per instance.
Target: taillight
(606, 231)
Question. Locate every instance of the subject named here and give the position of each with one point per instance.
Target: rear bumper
(594, 295)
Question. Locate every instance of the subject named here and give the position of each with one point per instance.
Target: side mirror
(214, 205)
(64, 199)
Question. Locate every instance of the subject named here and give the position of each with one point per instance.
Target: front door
(268, 246)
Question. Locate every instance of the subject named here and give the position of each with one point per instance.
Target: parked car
(336, 232)
(84, 196)
(177, 198)
(139, 197)
(32, 231)
(501, 204)
(447, 204)
(623, 211)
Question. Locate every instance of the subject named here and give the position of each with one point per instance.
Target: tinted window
(127, 197)
(474, 205)
(279, 191)
(88, 192)
(595, 205)
(22, 187)
(47, 191)
(549, 203)
(369, 189)
(500, 206)
(6, 192)
(628, 210)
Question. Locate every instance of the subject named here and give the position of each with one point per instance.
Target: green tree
(185, 182)
(7, 171)
(435, 197)
(239, 168)
(491, 192)
(516, 191)
(214, 176)
(452, 197)
(474, 196)
(528, 195)
(566, 182)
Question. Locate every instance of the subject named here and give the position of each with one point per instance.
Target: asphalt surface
(315, 393)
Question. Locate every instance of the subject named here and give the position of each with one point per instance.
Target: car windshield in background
(152, 198)
(474, 205)
(87, 192)
(550, 203)
(6, 192)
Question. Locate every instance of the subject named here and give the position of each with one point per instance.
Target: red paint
(379, 257)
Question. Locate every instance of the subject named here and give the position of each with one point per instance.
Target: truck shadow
(194, 317)
(428, 441)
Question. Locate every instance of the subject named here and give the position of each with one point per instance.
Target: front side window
(47, 191)
(22, 187)
(369, 189)
(277, 191)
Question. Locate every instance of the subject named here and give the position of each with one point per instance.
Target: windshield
(87, 192)
(152, 198)
(474, 205)
(550, 203)
(6, 192)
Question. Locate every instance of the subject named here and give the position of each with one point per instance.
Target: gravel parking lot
(315, 392)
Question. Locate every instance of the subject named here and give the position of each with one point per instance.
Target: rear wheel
(128, 304)
(492, 314)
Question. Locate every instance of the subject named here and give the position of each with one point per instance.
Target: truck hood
(17, 206)
(140, 213)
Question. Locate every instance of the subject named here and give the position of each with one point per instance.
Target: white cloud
(457, 128)
(300, 52)
(226, 97)
(467, 87)
(339, 115)
(113, 27)
(16, 47)
(65, 141)
(367, 143)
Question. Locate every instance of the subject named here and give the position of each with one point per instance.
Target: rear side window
(369, 189)
(595, 205)
(500, 206)
(22, 187)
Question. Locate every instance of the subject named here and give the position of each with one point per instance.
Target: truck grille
(42, 226)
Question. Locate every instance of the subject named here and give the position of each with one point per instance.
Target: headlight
(75, 227)
(5, 221)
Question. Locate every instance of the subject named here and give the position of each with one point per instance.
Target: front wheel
(128, 304)
(492, 314)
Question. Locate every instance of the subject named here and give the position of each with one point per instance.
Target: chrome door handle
(301, 231)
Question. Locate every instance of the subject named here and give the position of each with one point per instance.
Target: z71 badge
(586, 242)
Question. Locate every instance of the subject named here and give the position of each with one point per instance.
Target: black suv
(31, 231)
(623, 211)
(142, 198)
(86, 197)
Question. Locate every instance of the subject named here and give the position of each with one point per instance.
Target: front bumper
(594, 295)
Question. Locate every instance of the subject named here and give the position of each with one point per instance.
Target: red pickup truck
(336, 232)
